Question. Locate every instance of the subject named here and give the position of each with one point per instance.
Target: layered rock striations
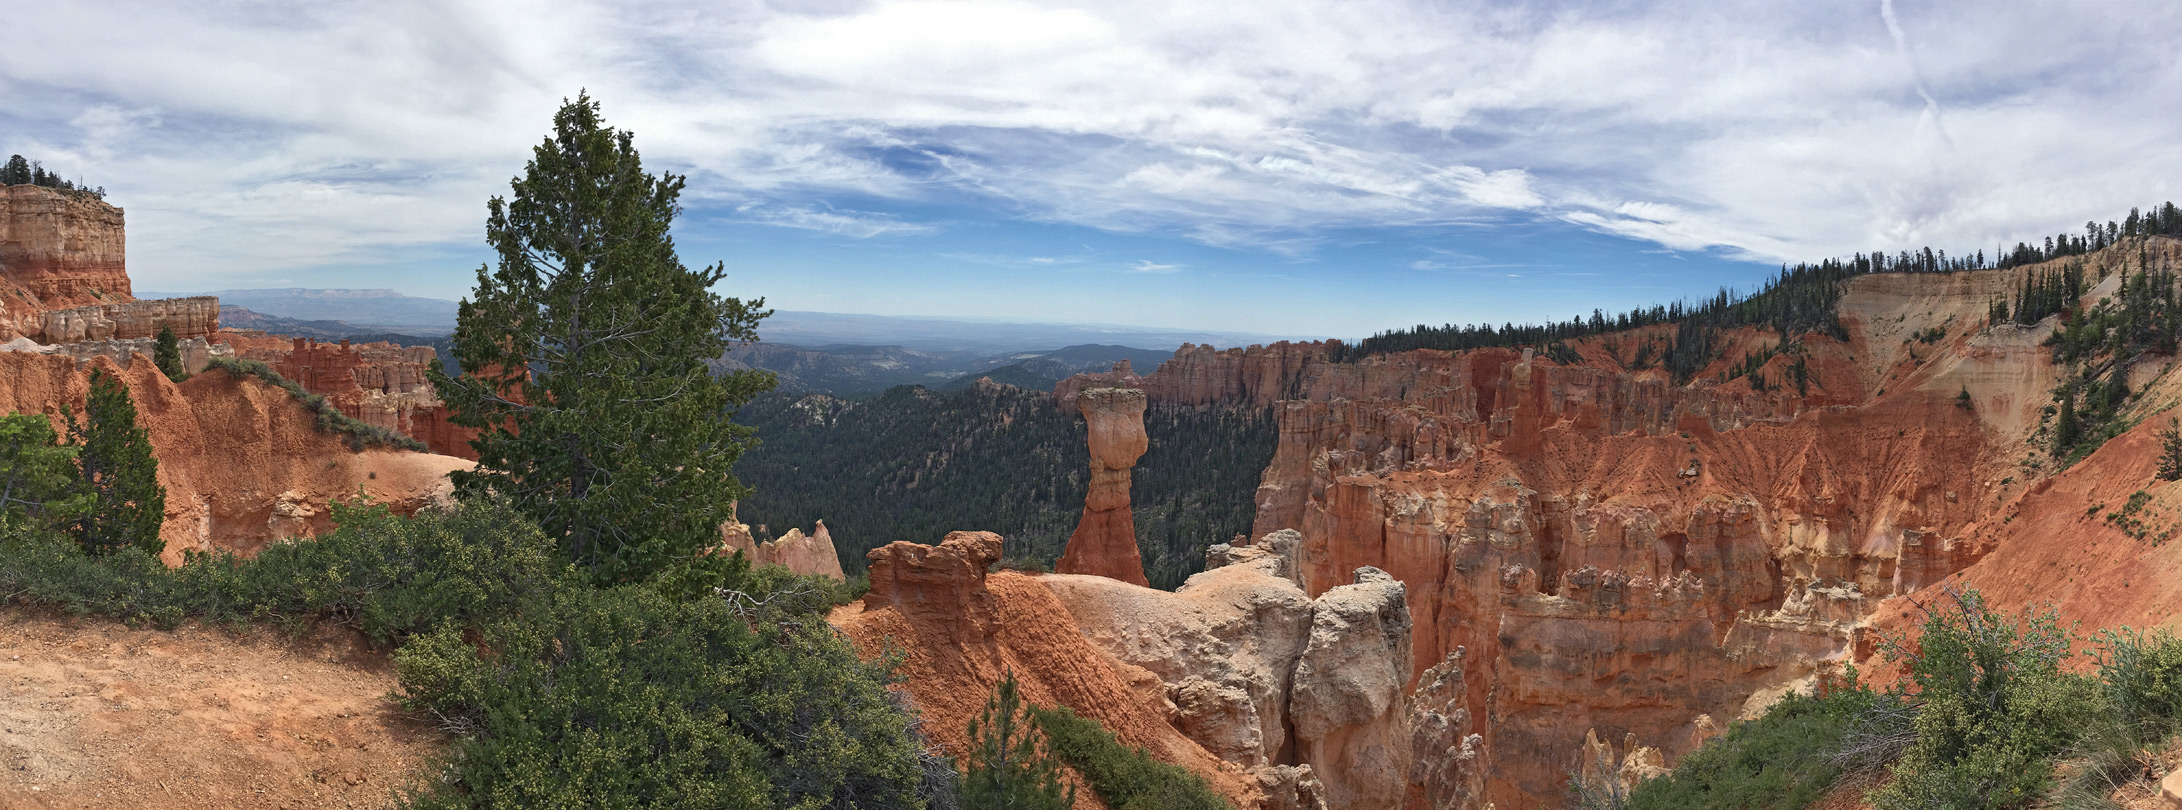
(64, 274)
(58, 249)
(1104, 543)
(1589, 545)
(380, 384)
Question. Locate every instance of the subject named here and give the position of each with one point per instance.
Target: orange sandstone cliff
(1589, 550)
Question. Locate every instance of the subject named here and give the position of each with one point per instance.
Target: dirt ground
(96, 714)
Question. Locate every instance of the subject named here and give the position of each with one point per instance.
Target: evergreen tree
(114, 455)
(2065, 427)
(1011, 764)
(16, 172)
(2170, 451)
(167, 354)
(38, 478)
(585, 355)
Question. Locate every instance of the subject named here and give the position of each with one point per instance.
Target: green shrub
(2141, 677)
(628, 697)
(1125, 778)
(1993, 708)
(1011, 763)
(715, 685)
(330, 420)
(1787, 758)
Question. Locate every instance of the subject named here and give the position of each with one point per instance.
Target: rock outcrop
(195, 317)
(1349, 701)
(812, 554)
(58, 250)
(959, 630)
(379, 384)
(1309, 696)
(1104, 543)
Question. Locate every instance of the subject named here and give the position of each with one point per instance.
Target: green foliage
(2170, 451)
(2141, 677)
(114, 458)
(1787, 758)
(1962, 398)
(1993, 707)
(360, 434)
(1123, 777)
(1011, 765)
(39, 482)
(585, 356)
(912, 464)
(630, 697)
(167, 354)
(19, 172)
(560, 694)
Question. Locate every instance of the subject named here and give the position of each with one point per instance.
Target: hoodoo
(1104, 543)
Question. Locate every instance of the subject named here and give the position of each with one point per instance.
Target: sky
(1281, 167)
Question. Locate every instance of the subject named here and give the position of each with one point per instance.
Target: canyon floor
(94, 713)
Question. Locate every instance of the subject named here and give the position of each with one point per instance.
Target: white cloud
(292, 135)
(853, 224)
(1149, 266)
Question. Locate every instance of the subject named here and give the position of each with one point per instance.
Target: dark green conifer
(1011, 764)
(585, 351)
(167, 354)
(114, 455)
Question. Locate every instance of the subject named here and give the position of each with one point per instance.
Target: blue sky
(1290, 167)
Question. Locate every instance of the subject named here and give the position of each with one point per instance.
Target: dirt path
(95, 714)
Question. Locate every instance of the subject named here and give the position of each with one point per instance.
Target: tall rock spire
(1105, 540)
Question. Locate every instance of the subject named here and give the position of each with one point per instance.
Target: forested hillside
(914, 464)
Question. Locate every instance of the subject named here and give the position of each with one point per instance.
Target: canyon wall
(380, 384)
(1589, 549)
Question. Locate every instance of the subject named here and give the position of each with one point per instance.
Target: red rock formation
(1104, 543)
(64, 275)
(1612, 551)
(1203, 375)
(58, 250)
(380, 384)
(959, 631)
(243, 463)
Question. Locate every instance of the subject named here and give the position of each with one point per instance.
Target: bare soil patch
(94, 713)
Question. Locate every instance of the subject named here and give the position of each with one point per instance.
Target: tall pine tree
(115, 456)
(1011, 765)
(585, 351)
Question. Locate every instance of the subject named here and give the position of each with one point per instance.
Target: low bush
(1125, 778)
(1786, 758)
(713, 685)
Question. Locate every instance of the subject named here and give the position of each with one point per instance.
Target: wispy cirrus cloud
(246, 138)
